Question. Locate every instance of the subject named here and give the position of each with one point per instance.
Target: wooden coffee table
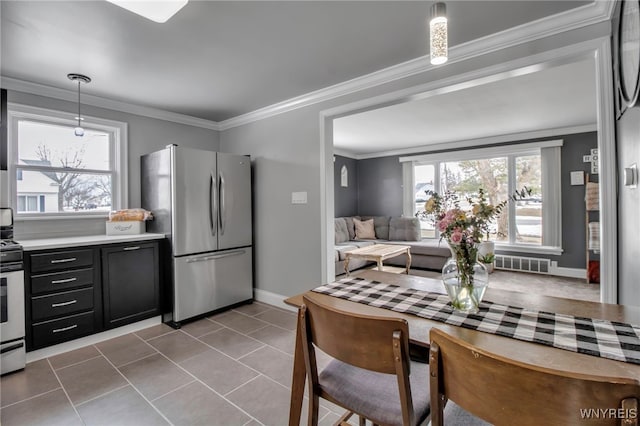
(377, 253)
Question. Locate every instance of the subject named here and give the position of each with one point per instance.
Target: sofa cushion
(350, 225)
(381, 225)
(404, 228)
(364, 229)
(428, 247)
(341, 232)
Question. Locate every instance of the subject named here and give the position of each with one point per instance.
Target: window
(531, 222)
(54, 173)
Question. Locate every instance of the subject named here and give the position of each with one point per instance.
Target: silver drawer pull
(66, 280)
(132, 248)
(70, 259)
(71, 327)
(57, 305)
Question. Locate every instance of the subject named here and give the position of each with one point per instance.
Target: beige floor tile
(231, 343)
(271, 363)
(195, 405)
(90, 379)
(267, 401)
(155, 376)
(218, 371)
(280, 318)
(73, 357)
(238, 322)
(36, 378)
(277, 337)
(200, 327)
(154, 331)
(252, 309)
(178, 346)
(124, 349)
(50, 409)
(124, 407)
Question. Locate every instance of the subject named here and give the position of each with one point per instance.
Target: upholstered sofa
(425, 254)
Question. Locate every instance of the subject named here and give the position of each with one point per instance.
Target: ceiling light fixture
(156, 10)
(79, 131)
(438, 34)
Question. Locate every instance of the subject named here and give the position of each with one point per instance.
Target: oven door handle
(11, 348)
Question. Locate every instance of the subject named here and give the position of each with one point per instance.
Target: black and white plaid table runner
(606, 339)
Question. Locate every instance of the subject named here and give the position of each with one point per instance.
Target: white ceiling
(559, 97)
(218, 59)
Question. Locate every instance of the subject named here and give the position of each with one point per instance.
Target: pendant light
(79, 131)
(438, 33)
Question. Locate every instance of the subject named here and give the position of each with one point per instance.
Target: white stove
(12, 319)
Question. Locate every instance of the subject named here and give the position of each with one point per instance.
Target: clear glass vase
(465, 281)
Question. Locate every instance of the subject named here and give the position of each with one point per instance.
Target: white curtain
(407, 189)
(552, 211)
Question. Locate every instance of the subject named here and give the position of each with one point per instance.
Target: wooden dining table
(530, 353)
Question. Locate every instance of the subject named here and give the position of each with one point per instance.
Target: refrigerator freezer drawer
(211, 281)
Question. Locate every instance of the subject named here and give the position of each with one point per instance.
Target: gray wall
(286, 150)
(381, 181)
(628, 146)
(380, 191)
(144, 135)
(346, 199)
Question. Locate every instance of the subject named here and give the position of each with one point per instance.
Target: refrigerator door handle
(223, 205)
(215, 256)
(212, 205)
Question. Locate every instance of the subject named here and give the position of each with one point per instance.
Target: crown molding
(343, 153)
(100, 102)
(469, 143)
(592, 13)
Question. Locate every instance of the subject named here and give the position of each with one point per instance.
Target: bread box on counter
(128, 222)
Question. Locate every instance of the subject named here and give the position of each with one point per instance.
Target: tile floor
(232, 368)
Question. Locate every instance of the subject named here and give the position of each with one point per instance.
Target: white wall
(286, 152)
(144, 135)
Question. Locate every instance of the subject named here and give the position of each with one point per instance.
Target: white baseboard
(91, 340)
(567, 272)
(272, 299)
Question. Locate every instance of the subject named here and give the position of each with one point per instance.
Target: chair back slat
(503, 391)
(361, 341)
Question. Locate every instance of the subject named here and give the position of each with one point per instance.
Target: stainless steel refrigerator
(202, 201)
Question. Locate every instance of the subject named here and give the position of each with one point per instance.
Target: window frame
(118, 166)
(510, 152)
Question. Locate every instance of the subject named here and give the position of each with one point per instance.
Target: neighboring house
(37, 191)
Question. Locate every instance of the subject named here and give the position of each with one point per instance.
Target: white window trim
(118, 153)
(510, 151)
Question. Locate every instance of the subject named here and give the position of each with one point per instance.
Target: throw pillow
(364, 229)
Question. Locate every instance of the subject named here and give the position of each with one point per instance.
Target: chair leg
(314, 403)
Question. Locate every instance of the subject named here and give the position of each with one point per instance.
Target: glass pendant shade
(79, 131)
(438, 34)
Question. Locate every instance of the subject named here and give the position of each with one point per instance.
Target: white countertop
(89, 240)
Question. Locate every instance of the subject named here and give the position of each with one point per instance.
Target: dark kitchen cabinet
(77, 291)
(130, 283)
(63, 295)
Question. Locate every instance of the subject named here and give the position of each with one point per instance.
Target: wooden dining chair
(504, 391)
(370, 373)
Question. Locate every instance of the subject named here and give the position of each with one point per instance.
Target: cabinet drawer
(46, 283)
(63, 329)
(62, 260)
(55, 305)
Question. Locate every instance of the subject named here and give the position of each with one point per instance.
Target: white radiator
(525, 264)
